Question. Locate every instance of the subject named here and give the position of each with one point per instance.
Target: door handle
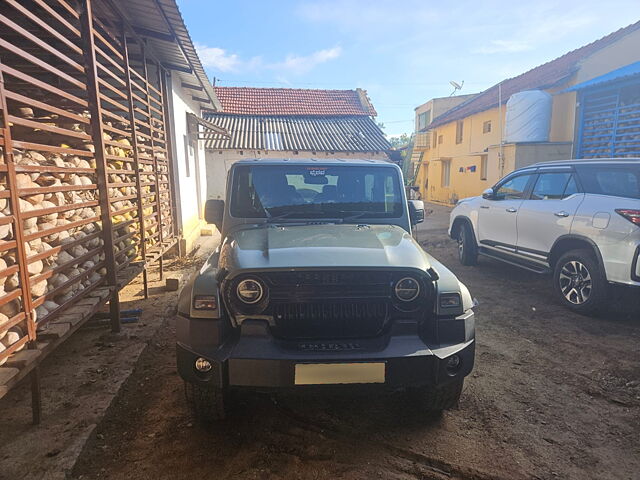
(512, 210)
(562, 214)
(484, 206)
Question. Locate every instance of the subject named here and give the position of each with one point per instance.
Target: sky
(402, 52)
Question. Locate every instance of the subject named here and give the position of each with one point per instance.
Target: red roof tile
(544, 76)
(293, 101)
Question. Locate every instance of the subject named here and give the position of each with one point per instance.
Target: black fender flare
(462, 218)
(582, 238)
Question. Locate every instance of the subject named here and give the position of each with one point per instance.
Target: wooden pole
(97, 130)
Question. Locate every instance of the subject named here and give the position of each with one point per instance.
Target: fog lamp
(203, 365)
(452, 364)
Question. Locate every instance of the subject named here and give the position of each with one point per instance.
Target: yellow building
(592, 93)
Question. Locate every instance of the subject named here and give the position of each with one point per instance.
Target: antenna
(456, 86)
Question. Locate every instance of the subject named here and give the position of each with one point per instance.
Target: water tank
(528, 117)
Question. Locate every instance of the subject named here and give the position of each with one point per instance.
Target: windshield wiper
(274, 218)
(354, 216)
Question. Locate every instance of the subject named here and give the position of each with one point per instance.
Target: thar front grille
(329, 319)
(321, 304)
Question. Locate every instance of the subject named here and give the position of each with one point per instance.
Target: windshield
(318, 191)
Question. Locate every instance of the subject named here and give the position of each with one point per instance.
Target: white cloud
(299, 64)
(219, 59)
(504, 46)
(543, 29)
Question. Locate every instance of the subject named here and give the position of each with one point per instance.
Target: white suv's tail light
(632, 215)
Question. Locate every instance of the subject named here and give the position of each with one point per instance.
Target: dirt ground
(81, 379)
(553, 395)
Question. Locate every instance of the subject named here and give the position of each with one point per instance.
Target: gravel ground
(553, 395)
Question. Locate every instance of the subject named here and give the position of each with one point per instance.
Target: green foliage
(402, 141)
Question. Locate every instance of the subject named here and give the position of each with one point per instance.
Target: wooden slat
(45, 26)
(47, 148)
(54, 14)
(43, 45)
(48, 128)
(45, 106)
(40, 84)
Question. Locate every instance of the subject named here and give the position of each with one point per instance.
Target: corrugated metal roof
(297, 133)
(294, 101)
(553, 73)
(176, 48)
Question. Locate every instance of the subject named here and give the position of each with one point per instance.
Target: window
(459, 131)
(446, 173)
(513, 188)
(486, 127)
(440, 139)
(435, 138)
(614, 180)
(424, 119)
(553, 186)
(321, 191)
(484, 161)
(188, 153)
(572, 187)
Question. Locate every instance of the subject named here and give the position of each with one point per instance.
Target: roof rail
(589, 160)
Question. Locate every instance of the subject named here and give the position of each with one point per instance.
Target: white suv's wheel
(467, 249)
(579, 282)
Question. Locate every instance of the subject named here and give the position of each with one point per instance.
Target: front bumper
(258, 360)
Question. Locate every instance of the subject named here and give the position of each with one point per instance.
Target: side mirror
(416, 211)
(489, 194)
(213, 212)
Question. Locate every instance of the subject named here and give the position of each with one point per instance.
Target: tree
(400, 141)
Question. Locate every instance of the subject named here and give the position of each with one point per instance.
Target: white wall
(219, 162)
(187, 172)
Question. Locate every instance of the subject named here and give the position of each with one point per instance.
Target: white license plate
(339, 373)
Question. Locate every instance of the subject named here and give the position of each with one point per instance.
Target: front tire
(467, 248)
(580, 283)
(208, 404)
(436, 399)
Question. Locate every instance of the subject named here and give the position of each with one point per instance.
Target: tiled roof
(550, 74)
(293, 101)
(355, 133)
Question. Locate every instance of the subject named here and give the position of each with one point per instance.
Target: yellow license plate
(339, 373)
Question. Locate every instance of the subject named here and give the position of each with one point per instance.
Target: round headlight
(250, 291)
(407, 289)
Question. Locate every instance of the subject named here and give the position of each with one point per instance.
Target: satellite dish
(456, 86)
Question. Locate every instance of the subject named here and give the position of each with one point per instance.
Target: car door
(497, 215)
(547, 213)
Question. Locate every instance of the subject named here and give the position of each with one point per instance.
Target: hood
(322, 246)
(467, 199)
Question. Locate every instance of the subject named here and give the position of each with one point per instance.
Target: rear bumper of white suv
(622, 262)
(635, 267)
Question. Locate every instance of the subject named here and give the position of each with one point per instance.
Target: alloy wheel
(575, 282)
(461, 245)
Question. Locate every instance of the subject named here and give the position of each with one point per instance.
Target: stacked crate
(84, 168)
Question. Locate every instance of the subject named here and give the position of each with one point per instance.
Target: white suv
(577, 219)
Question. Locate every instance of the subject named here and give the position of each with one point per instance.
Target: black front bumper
(256, 359)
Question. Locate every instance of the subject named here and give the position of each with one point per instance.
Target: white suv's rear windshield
(615, 180)
(301, 191)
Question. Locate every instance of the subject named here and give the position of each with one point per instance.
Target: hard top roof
(314, 161)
